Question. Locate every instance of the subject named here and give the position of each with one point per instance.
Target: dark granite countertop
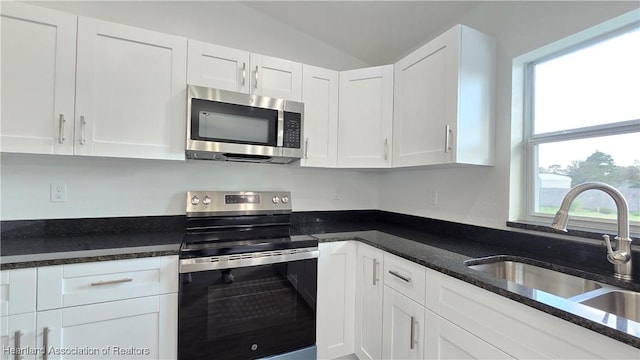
(439, 245)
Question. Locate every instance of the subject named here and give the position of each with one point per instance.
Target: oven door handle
(245, 260)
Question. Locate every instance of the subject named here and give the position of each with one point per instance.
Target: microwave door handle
(280, 139)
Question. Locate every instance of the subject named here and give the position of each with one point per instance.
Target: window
(582, 123)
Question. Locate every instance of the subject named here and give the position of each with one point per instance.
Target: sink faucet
(621, 258)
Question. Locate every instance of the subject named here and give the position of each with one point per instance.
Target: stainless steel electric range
(247, 286)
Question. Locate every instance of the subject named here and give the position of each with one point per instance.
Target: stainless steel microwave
(230, 126)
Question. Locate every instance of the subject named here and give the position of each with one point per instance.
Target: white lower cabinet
(403, 331)
(132, 329)
(516, 329)
(18, 333)
(444, 340)
(369, 296)
(336, 294)
(108, 310)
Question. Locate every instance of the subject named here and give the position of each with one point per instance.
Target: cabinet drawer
(404, 276)
(17, 291)
(89, 283)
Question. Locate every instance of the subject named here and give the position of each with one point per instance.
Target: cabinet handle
(386, 149)
(306, 148)
(83, 126)
(403, 278)
(45, 342)
(111, 282)
(256, 83)
(16, 338)
(61, 129)
(375, 272)
(244, 73)
(414, 332)
(447, 139)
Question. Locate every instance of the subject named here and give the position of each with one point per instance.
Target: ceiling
(375, 32)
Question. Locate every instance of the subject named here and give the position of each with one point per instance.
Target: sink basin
(535, 277)
(625, 304)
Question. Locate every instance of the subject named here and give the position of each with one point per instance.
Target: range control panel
(203, 203)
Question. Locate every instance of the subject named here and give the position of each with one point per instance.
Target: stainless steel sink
(535, 277)
(621, 303)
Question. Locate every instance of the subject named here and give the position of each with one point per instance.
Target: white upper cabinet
(366, 113)
(275, 77)
(131, 91)
(38, 74)
(230, 69)
(444, 101)
(320, 97)
(125, 96)
(218, 67)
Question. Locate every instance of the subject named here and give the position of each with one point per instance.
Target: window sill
(584, 233)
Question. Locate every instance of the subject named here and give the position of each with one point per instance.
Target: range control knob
(195, 200)
(206, 200)
(285, 199)
(275, 199)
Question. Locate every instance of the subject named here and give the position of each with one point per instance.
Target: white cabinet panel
(444, 99)
(320, 98)
(405, 276)
(366, 112)
(17, 291)
(142, 327)
(218, 67)
(130, 99)
(18, 334)
(38, 76)
(276, 77)
(403, 333)
(516, 329)
(444, 340)
(88, 283)
(336, 294)
(369, 296)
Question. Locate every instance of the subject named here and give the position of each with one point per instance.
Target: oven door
(247, 312)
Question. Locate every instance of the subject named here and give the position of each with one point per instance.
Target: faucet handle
(617, 257)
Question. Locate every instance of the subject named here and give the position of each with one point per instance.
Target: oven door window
(223, 122)
(249, 312)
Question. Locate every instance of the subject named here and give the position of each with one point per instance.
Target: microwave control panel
(292, 130)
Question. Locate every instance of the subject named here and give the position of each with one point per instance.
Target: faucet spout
(621, 257)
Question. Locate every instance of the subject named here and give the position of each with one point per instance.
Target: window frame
(524, 179)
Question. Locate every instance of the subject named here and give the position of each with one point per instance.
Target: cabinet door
(218, 67)
(276, 78)
(142, 328)
(444, 340)
(131, 91)
(366, 110)
(336, 292)
(425, 98)
(38, 75)
(320, 97)
(17, 291)
(18, 334)
(402, 337)
(369, 295)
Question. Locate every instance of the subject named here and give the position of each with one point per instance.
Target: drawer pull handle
(414, 332)
(403, 278)
(61, 129)
(375, 272)
(111, 282)
(45, 342)
(17, 335)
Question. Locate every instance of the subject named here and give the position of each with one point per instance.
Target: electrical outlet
(433, 197)
(58, 192)
(336, 194)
